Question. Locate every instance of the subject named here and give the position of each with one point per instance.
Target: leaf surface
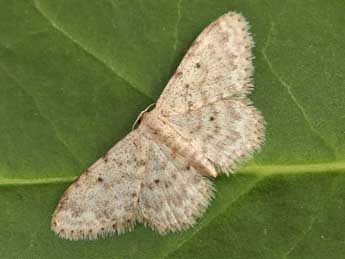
(75, 74)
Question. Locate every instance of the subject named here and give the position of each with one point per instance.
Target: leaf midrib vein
(260, 170)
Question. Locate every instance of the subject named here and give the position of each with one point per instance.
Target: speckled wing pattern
(173, 196)
(217, 66)
(203, 124)
(228, 131)
(135, 181)
(104, 198)
(206, 99)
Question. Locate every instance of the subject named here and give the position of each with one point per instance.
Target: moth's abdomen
(159, 130)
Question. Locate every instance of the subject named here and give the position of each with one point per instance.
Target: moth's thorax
(159, 129)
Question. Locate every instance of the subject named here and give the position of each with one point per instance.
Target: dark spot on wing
(75, 213)
(197, 65)
(178, 73)
(190, 105)
(141, 162)
(197, 179)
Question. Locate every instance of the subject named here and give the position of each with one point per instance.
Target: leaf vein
(178, 20)
(28, 35)
(50, 122)
(85, 49)
(263, 170)
(58, 9)
(206, 223)
(304, 234)
(290, 93)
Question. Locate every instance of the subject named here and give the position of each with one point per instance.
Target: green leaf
(75, 74)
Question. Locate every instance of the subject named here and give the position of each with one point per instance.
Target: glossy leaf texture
(75, 74)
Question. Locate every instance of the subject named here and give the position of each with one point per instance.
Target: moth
(160, 174)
